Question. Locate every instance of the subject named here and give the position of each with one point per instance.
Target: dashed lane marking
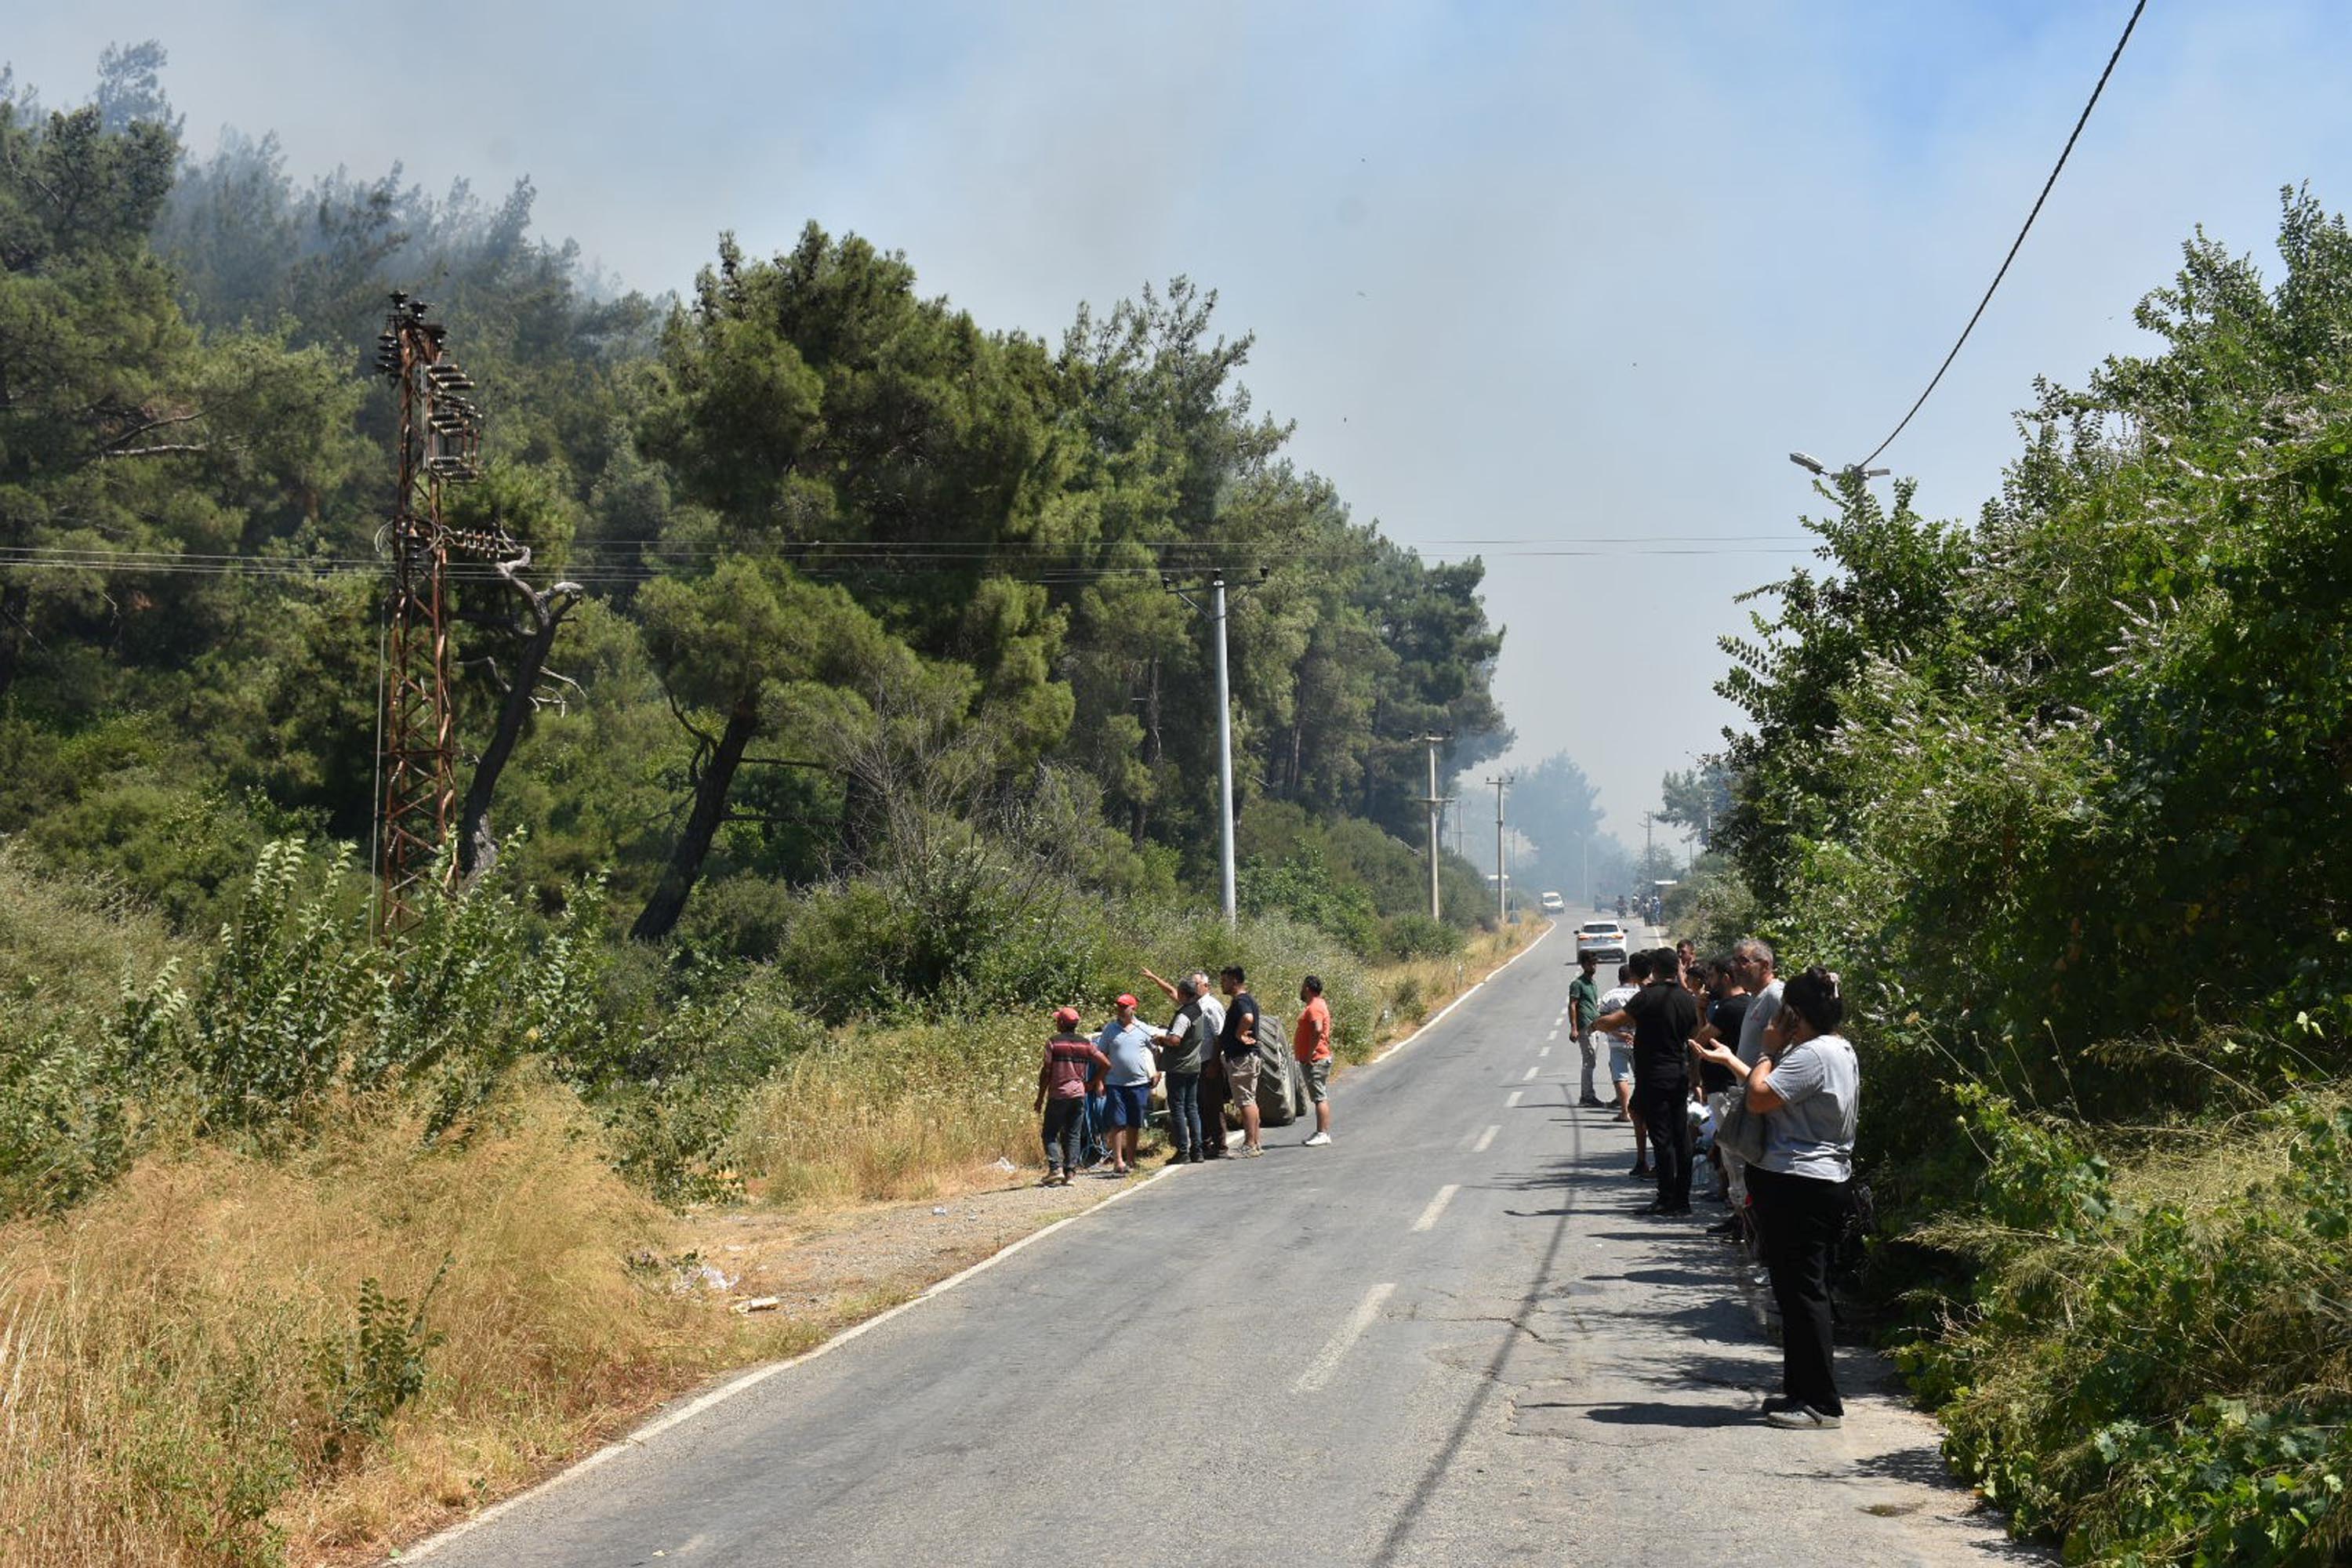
(1486, 1141)
(1327, 1360)
(1428, 1219)
(1512, 1103)
(1531, 1075)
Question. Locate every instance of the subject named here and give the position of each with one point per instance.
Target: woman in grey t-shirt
(1808, 1086)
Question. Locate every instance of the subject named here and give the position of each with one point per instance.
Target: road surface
(1445, 1339)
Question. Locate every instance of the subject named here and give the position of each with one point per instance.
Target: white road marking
(1449, 1007)
(1531, 1073)
(1512, 1103)
(1428, 1219)
(1486, 1141)
(1326, 1360)
(1553, 1035)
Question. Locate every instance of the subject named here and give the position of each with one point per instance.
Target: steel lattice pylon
(439, 443)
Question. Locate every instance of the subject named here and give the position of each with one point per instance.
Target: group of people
(1096, 1089)
(1690, 1043)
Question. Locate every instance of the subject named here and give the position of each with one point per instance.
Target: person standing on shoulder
(1725, 1005)
(1184, 1046)
(1584, 1023)
(1126, 1043)
(1237, 1046)
(1663, 1017)
(1310, 1042)
(1630, 976)
(1807, 1084)
(1752, 960)
(1072, 1065)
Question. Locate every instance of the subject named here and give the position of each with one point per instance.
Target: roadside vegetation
(309, 1238)
(2062, 796)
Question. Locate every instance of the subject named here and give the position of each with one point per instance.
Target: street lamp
(1820, 470)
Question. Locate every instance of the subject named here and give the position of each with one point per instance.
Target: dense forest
(865, 707)
(852, 564)
(2062, 794)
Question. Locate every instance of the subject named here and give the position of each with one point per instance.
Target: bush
(2158, 1370)
(1406, 938)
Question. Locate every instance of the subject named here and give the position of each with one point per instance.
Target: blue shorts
(1131, 1104)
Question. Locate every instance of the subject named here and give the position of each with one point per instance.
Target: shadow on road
(1658, 1414)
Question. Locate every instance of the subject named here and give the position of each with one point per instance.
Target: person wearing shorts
(1310, 1042)
(1126, 1043)
(1237, 1048)
(1621, 1055)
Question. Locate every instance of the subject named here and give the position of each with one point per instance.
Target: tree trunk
(15, 603)
(1141, 807)
(478, 850)
(693, 847)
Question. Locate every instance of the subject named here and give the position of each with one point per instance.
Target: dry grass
(877, 1113)
(1410, 993)
(160, 1345)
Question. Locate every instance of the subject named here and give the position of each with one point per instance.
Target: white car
(1604, 940)
(1554, 904)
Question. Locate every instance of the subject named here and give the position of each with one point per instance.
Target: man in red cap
(1126, 1043)
(1072, 1063)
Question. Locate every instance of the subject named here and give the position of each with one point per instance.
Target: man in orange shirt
(1310, 1042)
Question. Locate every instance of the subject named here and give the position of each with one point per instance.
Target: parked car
(1604, 940)
(1554, 904)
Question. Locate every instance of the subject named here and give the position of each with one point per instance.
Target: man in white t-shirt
(1621, 1055)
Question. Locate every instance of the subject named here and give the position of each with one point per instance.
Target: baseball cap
(1126, 1000)
(1066, 1014)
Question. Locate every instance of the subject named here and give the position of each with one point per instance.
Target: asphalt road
(1445, 1339)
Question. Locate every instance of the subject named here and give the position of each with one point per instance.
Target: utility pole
(438, 443)
(1436, 804)
(1216, 614)
(1224, 754)
(1502, 874)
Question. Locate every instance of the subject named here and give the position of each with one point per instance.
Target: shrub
(1405, 938)
(2164, 1377)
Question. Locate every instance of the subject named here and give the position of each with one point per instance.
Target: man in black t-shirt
(1663, 1017)
(1238, 1046)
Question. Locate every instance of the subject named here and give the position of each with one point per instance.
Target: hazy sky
(1525, 272)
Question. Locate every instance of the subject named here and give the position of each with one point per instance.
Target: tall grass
(1410, 991)
(904, 1111)
(175, 1353)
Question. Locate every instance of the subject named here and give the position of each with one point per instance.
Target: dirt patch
(830, 1270)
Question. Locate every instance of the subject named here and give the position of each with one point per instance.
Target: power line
(2082, 121)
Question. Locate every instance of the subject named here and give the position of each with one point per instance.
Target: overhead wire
(2017, 244)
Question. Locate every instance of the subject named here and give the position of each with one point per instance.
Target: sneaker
(1593, 1103)
(1050, 1179)
(1318, 1141)
(1801, 1418)
(1641, 1172)
(1251, 1152)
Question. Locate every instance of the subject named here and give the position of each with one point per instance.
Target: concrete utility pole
(1502, 874)
(1215, 610)
(1225, 754)
(1436, 804)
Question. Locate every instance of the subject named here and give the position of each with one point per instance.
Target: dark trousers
(1797, 1219)
(1665, 1108)
(1213, 1095)
(1184, 1111)
(1065, 1123)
